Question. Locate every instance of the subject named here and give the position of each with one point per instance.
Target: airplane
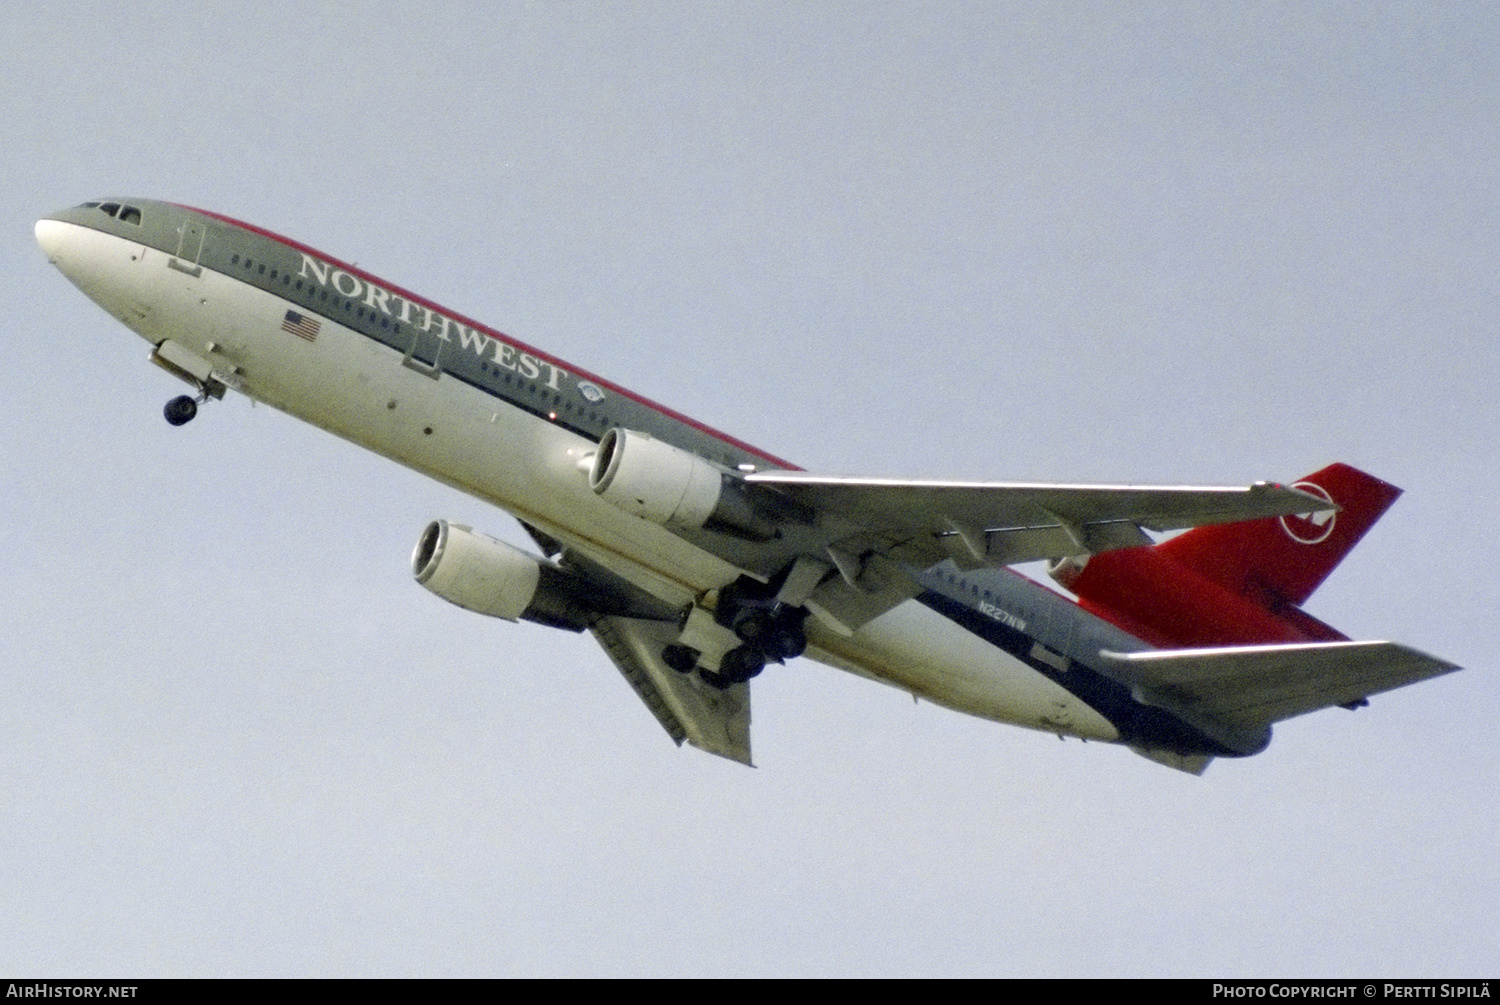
(695, 559)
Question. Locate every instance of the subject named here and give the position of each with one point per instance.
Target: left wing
(845, 548)
(921, 523)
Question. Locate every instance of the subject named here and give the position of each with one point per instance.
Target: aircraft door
(424, 354)
(191, 234)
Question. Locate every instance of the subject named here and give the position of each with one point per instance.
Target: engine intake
(481, 574)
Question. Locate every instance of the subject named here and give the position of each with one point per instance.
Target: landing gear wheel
(680, 657)
(715, 679)
(738, 666)
(753, 625)
(785, 641)
(180, 410)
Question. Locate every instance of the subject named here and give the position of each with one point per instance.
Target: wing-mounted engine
(673, 487)
(479, 573)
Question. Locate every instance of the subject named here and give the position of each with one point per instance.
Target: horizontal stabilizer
(711, 719)
(1192, 764)
(1251, 686)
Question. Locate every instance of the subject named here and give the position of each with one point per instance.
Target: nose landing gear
(188, 365)
(181, 409)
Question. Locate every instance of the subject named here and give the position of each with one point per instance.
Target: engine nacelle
(479, 573)
(1065, 571)
(672, 487)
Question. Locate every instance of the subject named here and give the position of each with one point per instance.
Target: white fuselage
(358, 388)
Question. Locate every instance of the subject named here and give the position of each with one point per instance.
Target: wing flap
(688, 709)
(1250, 686)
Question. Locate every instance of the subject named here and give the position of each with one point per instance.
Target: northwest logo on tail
(1312, 528)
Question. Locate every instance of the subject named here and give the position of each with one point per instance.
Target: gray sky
(1144, 242)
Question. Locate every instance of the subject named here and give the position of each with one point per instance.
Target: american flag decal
(301, 326)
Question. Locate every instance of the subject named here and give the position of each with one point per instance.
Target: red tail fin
(1282, 561)
(1234, 584)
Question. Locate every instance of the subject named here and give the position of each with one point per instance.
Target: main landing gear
(769, 632)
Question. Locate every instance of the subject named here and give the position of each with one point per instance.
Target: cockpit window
(123, 213)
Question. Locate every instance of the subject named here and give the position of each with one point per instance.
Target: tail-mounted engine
(1065, 571)
(673, 487)
(479, 573)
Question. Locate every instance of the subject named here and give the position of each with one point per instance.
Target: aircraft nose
(51, 235)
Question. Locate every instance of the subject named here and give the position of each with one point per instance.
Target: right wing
(634, 627)
(714, 720)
